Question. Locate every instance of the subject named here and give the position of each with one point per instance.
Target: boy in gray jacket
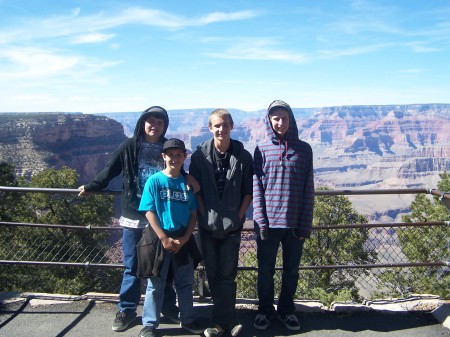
(223, 168)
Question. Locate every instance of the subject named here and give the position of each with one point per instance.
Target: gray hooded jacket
(221, 216)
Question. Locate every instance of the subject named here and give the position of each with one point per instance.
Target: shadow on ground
(93, 318)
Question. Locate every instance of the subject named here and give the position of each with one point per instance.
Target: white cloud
(166, 20)
(356, 50)
(412, 71)
(221, 17)
(75, 11)
(259, 49)
(80, 98)
(75, 24)
(422, 47)
(270, 49)
(92, 38)
(35, 62)
(34, 98)
(38, 66)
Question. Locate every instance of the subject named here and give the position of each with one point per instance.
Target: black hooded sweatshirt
(125, 160)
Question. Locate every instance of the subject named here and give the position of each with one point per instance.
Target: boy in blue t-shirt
(171, 211)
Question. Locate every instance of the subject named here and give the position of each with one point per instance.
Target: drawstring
(283, 142)
(286, 147)
(281, 153)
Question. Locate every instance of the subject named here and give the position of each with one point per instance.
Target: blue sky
(104, 56)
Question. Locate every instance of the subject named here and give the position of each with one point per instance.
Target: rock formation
(355, 147)
(33, 142)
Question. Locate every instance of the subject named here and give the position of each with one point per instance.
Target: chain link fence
(350, 261)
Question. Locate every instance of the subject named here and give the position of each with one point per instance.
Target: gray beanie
(279, 104)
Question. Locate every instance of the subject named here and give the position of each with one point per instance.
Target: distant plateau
(355, 147)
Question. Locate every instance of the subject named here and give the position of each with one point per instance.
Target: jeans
(220, 257)
(184, 281)
(267, 254)
(130, 290)
(170, 297)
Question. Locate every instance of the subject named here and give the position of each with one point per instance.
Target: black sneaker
(123, 320)
(173, 314)
(235, 328)
(290, 321)
(261, 322)
(147, 331)
(192, 327)
(216, 331)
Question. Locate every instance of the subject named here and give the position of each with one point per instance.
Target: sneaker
(217, 331)
(192, 327)
(290, 321)
(123, 320)
(173, 314)
(235, 328)
(147, 331)
(261, 322)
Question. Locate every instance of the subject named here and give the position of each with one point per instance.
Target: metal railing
(383, 250)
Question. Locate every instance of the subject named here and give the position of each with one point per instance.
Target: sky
(107, 56)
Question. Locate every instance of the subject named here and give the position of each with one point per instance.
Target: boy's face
(279, 119)
(153, 127)
(174, 158)
(220, 128)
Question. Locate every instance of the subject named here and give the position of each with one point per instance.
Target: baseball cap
(174, 143)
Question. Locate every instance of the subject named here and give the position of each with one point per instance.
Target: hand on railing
(82, 191)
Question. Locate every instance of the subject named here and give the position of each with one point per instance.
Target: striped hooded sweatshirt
(283, 180)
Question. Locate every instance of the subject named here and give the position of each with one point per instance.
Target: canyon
(37, 141)
(355, 147)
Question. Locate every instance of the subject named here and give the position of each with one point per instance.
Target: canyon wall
(355, 147)
(33, 142)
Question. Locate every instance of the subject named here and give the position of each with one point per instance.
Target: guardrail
(383, 250)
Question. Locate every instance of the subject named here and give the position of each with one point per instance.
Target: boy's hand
(242, 215)
(177, 246)
(192, 183)
(179, 242)
(82, 191)
(169, 244)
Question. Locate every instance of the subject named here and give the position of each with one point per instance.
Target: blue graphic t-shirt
(149, 161)
(170, 199)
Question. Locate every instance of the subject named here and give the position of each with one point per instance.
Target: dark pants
(220, 257)
(267, 254)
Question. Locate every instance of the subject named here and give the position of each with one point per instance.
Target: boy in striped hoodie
(283, 203)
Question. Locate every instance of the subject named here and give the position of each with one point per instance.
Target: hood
(158, 112)
(292, 133)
